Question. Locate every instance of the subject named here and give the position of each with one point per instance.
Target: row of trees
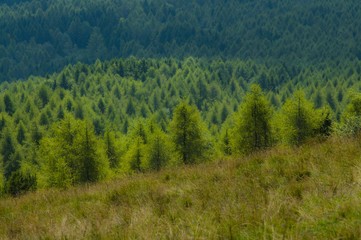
(73, 154)
(257, 126)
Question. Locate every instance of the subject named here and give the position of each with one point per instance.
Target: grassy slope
(310, 192)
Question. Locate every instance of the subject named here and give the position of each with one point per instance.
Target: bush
(20, 183)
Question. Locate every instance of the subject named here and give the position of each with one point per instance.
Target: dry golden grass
(311, 192)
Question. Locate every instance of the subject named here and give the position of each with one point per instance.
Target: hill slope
(303, 193)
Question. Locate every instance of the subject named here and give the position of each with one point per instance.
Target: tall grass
(310, 192)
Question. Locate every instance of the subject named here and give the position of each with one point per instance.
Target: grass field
(310, 192)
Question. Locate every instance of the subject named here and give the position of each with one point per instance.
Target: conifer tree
(36, 134)
(9, 105)
(188, 133)
(351, 117)
(136, 154)
(139, 128)
(298, 119)
(8, 149)
(20, 136)
(157, 151)
(101, 105)
(64, 82)
(110, 150)
(130, 109)
(60, 113)
(86, 154)
(43, 96)
(71, 154)
(2, 123)
(226, 143)
(253, 128)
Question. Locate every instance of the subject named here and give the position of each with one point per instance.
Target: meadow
(307, 192)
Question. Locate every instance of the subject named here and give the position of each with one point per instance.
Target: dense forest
(92, 122)
(40, 36)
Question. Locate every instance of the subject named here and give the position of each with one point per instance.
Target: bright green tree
(71, 154)
(157, 150)
(252, 125)
(188, 134)
(298, 119)
(351, 117)
(110, 149)
(136, 154)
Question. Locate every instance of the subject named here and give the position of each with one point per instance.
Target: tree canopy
(38, 37)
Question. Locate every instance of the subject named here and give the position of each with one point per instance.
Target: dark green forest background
(94, 89)
(40, 36)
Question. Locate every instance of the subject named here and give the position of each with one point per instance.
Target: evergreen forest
(239, 114)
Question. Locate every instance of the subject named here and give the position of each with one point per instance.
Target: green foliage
(71, 154)
(43, 96)
(351, 117)
(19, 183)
(354, 107)
(111, 149)
(9, 105)
(253, 123)
(136, 154)
(48, 35)
(310, 192)
(325, 126)
(226, 145)
(158, 150)
(11, 162)
(20, 136)
(188, 134)
(298, 120)
(131, 95)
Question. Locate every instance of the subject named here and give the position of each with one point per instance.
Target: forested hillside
(153, 119)
(91, 122)
(40, 36)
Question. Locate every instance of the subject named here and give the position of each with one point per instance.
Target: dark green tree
(43, 96)
(8, 148)
(9, 105)
(101, 105)
(36, 134)
(130, 109)
(60, 114)
(20, 135)
(19, 183)
(87, 155)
